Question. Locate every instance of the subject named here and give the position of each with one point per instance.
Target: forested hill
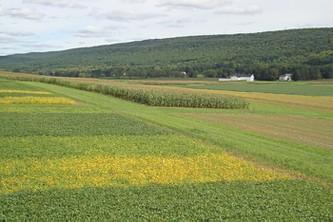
(308, 53)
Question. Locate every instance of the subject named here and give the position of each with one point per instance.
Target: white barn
(286, 77)
(237, 78)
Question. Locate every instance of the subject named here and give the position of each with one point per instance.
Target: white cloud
(95, 32)
(135, 1)
(193, 4)
(57, 3)
(236, 10)
(40, 46)
(124, 16)
(6, 39)
(16, 34)
(22, 13)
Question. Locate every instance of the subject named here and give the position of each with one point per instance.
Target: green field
(80, 155)
(309, 88)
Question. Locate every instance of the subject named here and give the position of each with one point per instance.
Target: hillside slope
(308, 53)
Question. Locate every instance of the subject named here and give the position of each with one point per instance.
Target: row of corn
(152, 97)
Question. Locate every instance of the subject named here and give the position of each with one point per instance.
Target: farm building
(184, 74)
(238, 78)
(286, 77)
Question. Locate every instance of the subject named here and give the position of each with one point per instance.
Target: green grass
(24, 95)
(134, 145)
(292, 88)
(101, 126)
(7, 84)
(73, 124)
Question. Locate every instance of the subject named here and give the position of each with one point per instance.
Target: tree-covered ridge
(307, 53)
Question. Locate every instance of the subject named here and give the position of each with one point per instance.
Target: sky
(48, 25)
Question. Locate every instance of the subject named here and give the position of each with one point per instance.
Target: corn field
(151, 97)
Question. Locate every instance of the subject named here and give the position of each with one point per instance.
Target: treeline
(306, 53)
(261, 71)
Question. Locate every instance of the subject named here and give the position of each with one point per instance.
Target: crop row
(36, 100)
(168, 99)
(281, 200)
(71, 124)
(152, 97)
(15, 91)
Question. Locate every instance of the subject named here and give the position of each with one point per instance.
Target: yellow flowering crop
(106, 171)
(36, 100)
(24, 91)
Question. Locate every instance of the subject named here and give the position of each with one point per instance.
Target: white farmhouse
(237, 78)
(184, 74)
(286, 77)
